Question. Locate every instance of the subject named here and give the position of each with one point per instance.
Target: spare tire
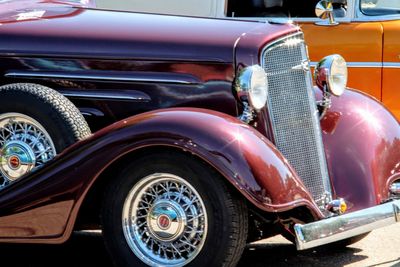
(36, 123)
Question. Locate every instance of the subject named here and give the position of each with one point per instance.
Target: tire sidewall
(15, 100)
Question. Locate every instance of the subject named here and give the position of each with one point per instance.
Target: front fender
(241, 154)
(362, 144)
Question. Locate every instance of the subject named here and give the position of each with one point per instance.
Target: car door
(388, 13)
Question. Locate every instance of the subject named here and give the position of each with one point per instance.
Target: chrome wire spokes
(164, 220)
(24, 146)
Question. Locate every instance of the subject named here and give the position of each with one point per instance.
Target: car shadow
(82, 250)
(285, 254)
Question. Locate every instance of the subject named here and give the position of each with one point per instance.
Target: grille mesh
(293, 113)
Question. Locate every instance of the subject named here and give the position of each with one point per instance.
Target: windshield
(380, 7)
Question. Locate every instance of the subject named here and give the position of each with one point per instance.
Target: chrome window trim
(105, 77)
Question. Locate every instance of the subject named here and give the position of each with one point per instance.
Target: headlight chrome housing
(252, 84)
(331, 74)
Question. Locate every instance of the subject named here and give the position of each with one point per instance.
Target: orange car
(365, 32)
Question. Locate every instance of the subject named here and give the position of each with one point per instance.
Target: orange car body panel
(391, 76)
(357, 43)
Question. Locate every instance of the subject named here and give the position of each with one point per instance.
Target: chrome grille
(293, 113)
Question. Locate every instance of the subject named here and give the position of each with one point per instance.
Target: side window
(380, 7)
(281, 8)
(256, 8)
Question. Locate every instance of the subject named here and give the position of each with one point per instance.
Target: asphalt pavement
(380, 248)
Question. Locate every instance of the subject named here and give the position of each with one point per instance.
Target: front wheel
(172, 210)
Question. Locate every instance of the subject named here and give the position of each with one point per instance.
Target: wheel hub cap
(17, 159)
(166, 220)
(24, 146)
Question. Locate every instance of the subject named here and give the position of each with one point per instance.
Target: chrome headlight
(252, 83)
(331, 72)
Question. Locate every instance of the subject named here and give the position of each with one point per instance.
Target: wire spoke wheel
(166, 208)
(164, 220)
(24, 146)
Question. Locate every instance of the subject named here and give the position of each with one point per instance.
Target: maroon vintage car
(208, 134)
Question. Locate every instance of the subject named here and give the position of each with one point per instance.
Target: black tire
(226, 212)
(58, 116)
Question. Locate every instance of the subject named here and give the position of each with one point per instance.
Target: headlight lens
(332, 72)
(252, 82)
(338, 76)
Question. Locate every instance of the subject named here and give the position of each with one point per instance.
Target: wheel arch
(88, 216)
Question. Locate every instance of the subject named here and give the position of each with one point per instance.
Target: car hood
(57, 29)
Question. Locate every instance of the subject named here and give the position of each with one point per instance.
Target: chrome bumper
(347, 225)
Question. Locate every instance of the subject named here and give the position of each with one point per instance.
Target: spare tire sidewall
(55, 121)
(59, 125)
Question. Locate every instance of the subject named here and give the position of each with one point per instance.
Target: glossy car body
(179, 86)
(366, 38)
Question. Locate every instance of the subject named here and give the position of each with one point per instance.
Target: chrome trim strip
(367, 64)
(105, 77)
(391, 65)
(57, 54)
(110, 95)
(345, 226)
(91, 112)
(364, 64)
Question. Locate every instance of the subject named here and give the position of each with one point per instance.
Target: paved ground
(380, 248)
